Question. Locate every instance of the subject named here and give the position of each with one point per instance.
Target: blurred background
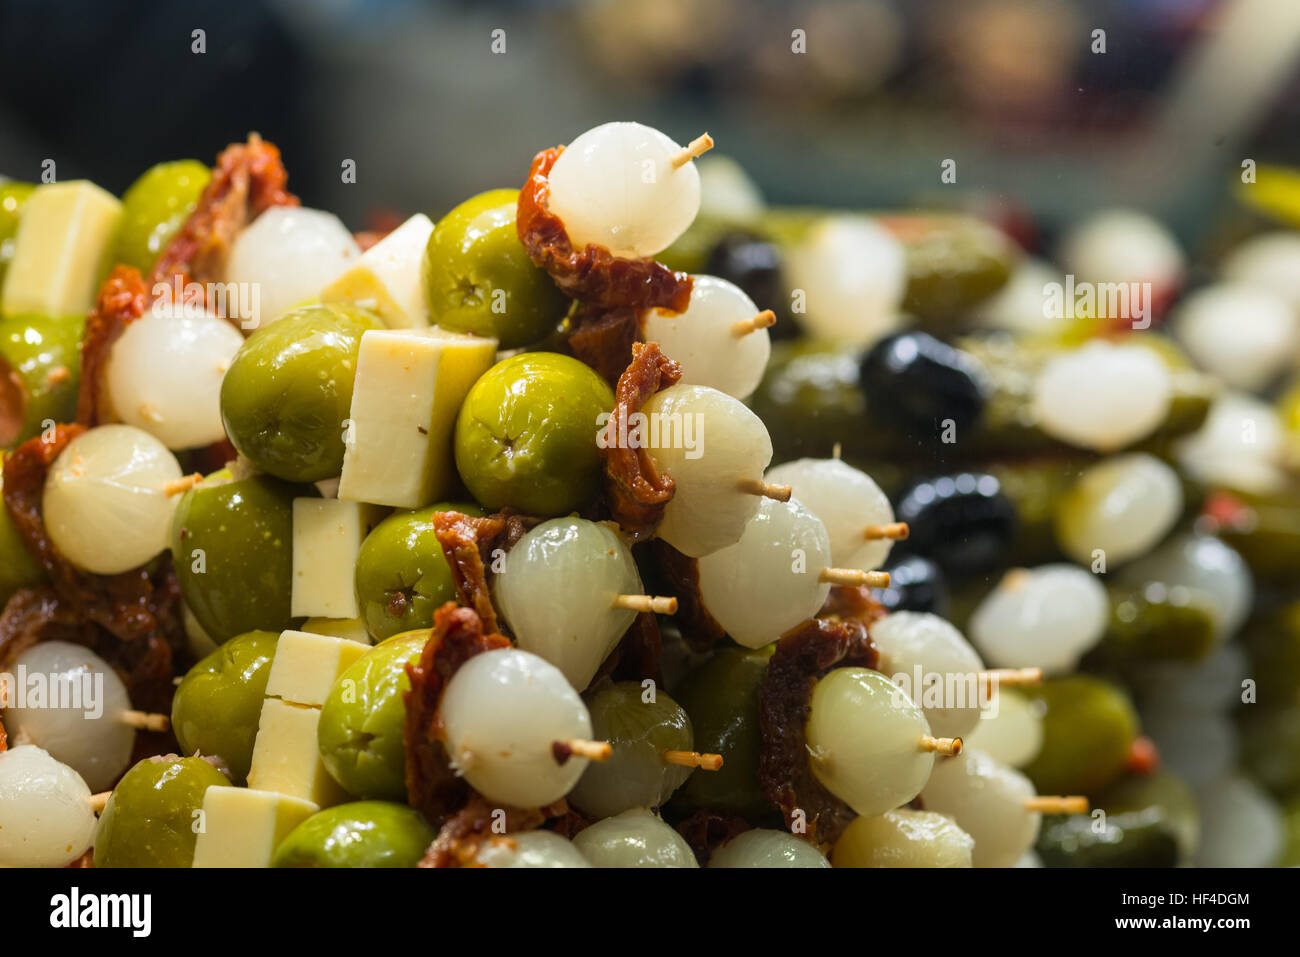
(1018, 92)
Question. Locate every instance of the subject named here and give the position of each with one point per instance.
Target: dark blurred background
(886, 90)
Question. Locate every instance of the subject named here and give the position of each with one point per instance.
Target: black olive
(914, 382)
(915, 584)
(963, 521)
(754, 264)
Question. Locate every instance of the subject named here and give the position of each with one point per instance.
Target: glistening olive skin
(360, 834)
(1088, 727)
(154, 207)
(17, 567)
(526, 435)
(232, 546)
(149, 819)
(217, 707)
(479, 279)
(362, 721)
(40, 371)
(402, 575)
(288, 392)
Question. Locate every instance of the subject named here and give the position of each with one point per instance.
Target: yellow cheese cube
(353, 629)
(286, 757)
(61, 250)
(409, 388)
(306, 666)
(387, 278)
(327, 535)
(243, 827)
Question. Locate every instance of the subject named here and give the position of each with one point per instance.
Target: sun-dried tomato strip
(592, 275)
(708, 829)
(603, 339)
(458, 634)
(636, 656)
(466, 832)
(248, 179)
(803, 655)
(122, 300)
(467, 541)
(4, 739)
(132, 605)
(852, 601)
(635, 490)
(679, 575)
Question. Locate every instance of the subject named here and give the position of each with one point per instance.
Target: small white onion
(1020, 305)
(847, 500)
(1010, 731)
(1271, 261)
(864, 740)
(730, 446)
(1122, 245)
(1213, 684)
(727, 192)
(615, 186)
(987, 800)
(903, 838)
(502, 712)
(703, 338)
(765, 848)
(851, 274)
(1240, 446)
(1244, 334)
(1123, 506)
(768, 582)
(911, 642)
(635, 838)
(557, 592)
(285, 258)
(104, 504)
(97, 747)
(1205, 566)
(1045, 617)
(45, 815)
(1102, 396)
(1241, 826)
(164, 376)
(530, 849)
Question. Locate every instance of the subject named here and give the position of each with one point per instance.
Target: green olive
(17, 567)
(811, 399)
(40, 369)
(360, 834)
(402, 574)
(1270, 541)
(287, 394)
(12, 197)
(1274, 643)
(152, 818)
(218, 704)
(478, 277)
(1147, 625)
(953, 264)
(1088, 727)
(232, 545)
(154, 207)
(1270, 746)
(639, 731)
(721, 697)
(526, 435)
(1291, 850)
(363, 719)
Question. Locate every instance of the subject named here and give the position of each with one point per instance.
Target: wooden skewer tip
(948, 746)
(144, 721)
(183, 484)
(693, 150)
(780, 493)
(744, 327)
(853, 577)
(591, 750)
(1056, 804)
(694, 759)
(658, 604)
(98, 801)
(895, 531)
(1012, 677)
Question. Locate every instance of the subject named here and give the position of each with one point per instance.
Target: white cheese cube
(327, 535)
(286, 756)
(306, 666)
(61, 250)
(387, 278)
(353, 629)
(243, 827)
(409, 388)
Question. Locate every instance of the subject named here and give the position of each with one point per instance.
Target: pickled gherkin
(1155, 624)
(953, 264)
